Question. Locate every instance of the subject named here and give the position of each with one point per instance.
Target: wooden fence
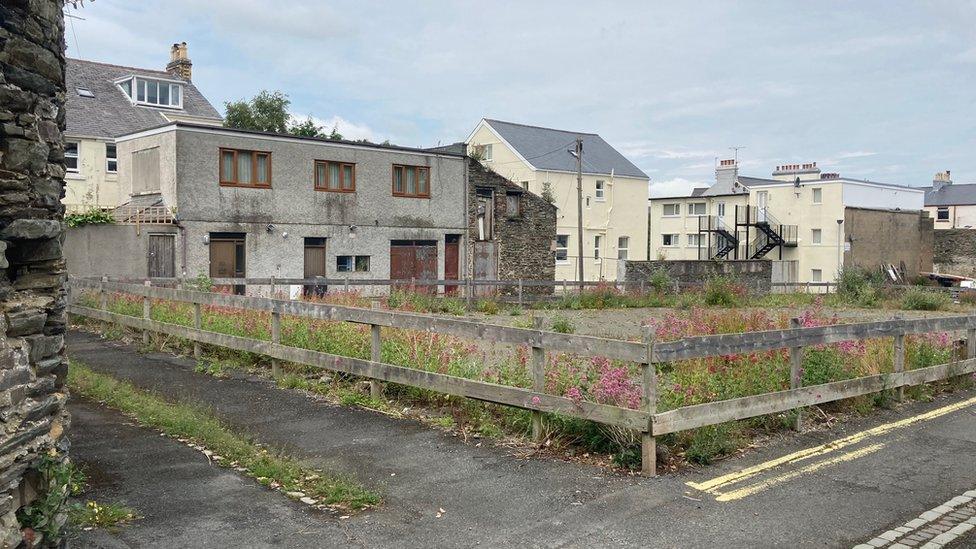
(648, 353)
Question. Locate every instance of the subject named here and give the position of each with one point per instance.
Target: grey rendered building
(254, 204)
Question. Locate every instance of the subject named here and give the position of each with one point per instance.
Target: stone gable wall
(32, 272)
(955, 252)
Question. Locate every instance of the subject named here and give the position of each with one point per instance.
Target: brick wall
(755, 274)
(955, 252)
(900, 238)
(524, 241)
(32, 272)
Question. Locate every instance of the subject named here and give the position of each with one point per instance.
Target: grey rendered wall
(93, 250)
(166, 142)
(292, 198)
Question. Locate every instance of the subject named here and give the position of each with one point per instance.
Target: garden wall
(955, 252)
(32, 272)
(900, 238)
(756, 274)
(93, 250)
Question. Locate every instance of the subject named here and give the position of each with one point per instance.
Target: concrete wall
(754, 274)
(524, 242)
(955, 252)
(32, 272)
(93, 250)
(622, 212)
(876, 237)
(882, 197)
(166, 143)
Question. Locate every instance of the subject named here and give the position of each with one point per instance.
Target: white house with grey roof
(105, 101)
(614, 191)
(952, 206)
(814, 223)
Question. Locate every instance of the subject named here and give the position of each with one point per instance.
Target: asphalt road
(833, 488)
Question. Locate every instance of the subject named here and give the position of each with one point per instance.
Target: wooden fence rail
(649, 353)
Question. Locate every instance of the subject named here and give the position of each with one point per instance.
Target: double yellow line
(718, 485)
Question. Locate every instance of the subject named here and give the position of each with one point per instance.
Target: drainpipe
(182, 229)
(467, 215)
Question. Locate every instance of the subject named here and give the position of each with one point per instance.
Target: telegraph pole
(579, 208)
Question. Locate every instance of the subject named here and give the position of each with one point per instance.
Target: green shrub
(488, 306)
(916, 299)
(713, 441)
(967, 297)
(562, 325)
(722, 291)
(660, 280)
(92, 216)
(860, 286)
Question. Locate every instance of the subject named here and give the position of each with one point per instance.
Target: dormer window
(153, 92)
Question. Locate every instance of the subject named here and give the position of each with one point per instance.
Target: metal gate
(485, 266)
(162, 256)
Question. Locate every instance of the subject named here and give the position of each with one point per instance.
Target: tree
(308, 128)
(335, 133)
(266, 111)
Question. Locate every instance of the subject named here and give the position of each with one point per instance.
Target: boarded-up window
(145, 171)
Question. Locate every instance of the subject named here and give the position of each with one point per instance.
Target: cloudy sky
(884, 90)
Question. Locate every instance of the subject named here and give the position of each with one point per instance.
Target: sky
(879, 90)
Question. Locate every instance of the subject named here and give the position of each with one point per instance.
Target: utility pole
(579, 208)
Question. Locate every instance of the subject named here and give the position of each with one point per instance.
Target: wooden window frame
(405, 194)
(224, 182)
(324, 186)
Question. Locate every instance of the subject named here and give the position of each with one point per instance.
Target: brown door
(314, 266)
(452, 257)
(162, 256)
(414, 260)
(227, 259)
(485, 266)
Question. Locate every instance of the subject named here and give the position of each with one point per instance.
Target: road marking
(762, 485)
(712, 486)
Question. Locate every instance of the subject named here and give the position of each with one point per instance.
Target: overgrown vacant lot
(594, 379)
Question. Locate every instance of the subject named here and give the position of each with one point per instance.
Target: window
(669, 239)
(601, 189)
(721, 209)
(817, 236)
(352, 263)
(623, 247)
(339, 177)
(694, 240)
(239, 168)
(818, 196)
(942, 214)
(513, 204)
(562, 248)
(71, 155)
(483, 152)
(411, 181)
(816, 275)
(158, 93)
(111, 158)
(696, 208)
(672, 210)
(597, 240)
(525, 185)
(84, 92)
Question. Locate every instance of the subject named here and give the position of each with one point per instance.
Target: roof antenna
(735, 154)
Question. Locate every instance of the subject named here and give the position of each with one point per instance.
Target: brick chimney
(791, 172)
(941, 179)
(726, 175)
(179, 63)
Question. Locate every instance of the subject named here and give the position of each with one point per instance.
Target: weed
(723, 291)
(108, 516)
(562, 325)
(917, 299)
(488, 306)
(660, 280)
(59, 479)
(859, 286)
(714, 441)
(515, 311)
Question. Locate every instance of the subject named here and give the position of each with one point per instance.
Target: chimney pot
(179, 62)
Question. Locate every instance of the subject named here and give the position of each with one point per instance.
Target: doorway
(314, 266)
(414, 260)
(162, 256)
(452, 261)
(227, 259)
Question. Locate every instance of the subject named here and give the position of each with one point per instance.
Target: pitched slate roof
(951, 195)
(546, 149)
(110, 113)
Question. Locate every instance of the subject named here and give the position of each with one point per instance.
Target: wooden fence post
(102, 296)
(275, 339)
(796, 372)
(345, 285)
(649, 404)
(376, 355)
(146, 311)
(898, 364)
(273, 288)
(971, 341)
(538, 380)
(468, 294)
(198, 324)
(520, 292)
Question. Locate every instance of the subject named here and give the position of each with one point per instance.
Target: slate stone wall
(32, 272)
(524, 241)
(955, 252)
(755, 274)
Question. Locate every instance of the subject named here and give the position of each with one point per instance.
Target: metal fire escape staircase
(770, 233)
(725, 239)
